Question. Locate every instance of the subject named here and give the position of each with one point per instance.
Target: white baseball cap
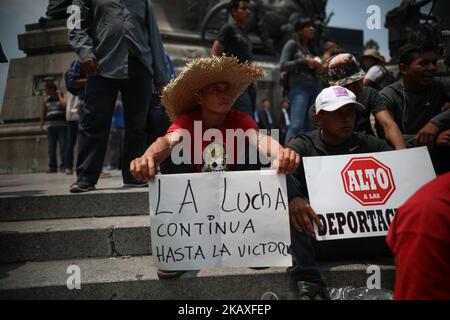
(335, 97)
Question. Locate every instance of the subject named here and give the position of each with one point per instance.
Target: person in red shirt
(205, 130)
(201, 99)
(419, 237)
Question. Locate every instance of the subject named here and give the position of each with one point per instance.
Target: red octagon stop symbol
(368, 181)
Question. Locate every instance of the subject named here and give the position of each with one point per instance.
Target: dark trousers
(95, 123)
(72, 132)
(56, 135)
(115, 147)
(158, 121)
(282, 139)
(306, 251)
(440, 157)
(246, 102)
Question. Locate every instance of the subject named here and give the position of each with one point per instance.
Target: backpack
(72, 90)
(387, 78)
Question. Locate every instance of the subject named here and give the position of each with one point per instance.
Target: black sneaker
(166, 274)
(79, 187)
(312, 291)
(136, 184)
(270, 296)
(280, 296)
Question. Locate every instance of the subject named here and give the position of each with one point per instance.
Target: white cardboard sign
(358, 195)
(226, 219)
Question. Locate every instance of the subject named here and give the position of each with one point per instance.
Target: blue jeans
(158, 121)
(301, 100)
(56, 135)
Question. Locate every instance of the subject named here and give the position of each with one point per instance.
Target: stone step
(94, 204)
(74, 238)
(47, 196)
(135, 278)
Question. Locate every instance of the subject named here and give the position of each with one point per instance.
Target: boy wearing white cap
(344, 70)
(336, 113)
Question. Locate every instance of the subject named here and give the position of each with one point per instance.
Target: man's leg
(305, 271)
(72, 131)
(114, 148)
(299, 98)
(307, 251)
(352, 249)
(440, 158)
(95, 122)
(121, 133)
(62, 140)
(136, 95)
(305, 266)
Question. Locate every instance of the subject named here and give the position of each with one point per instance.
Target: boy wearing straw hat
(198, 100)
(201, 98)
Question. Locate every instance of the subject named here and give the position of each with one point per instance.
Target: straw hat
(374, 53)
(343, 69)
(178, 95)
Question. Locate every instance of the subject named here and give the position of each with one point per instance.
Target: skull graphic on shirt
(214, 158)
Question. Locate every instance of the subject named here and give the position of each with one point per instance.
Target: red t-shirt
(234, 120)
(419, 237)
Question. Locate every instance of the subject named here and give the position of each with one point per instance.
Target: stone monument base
(25, 148)
(48, 57)
(22, 152)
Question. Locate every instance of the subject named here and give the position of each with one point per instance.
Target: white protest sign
(226, 219)
(358, 195)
